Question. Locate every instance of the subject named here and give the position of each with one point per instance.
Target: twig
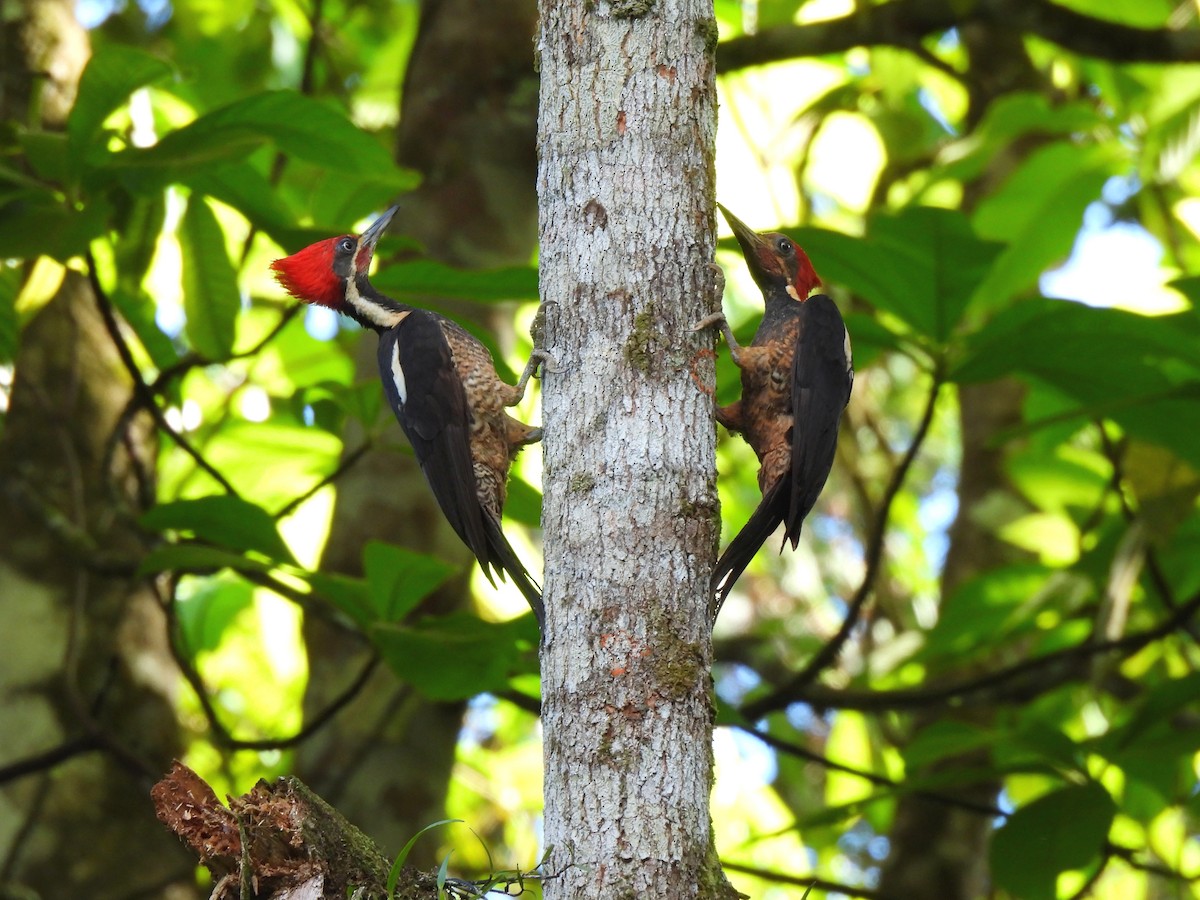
(800, 752)
(804, 881)
(193, 360)
(1032, 677)
(222, 736)
(48, 759)
(140, 388)
(344, 465)
(874, 557)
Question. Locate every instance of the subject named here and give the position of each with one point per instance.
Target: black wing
(424, 390)
(821, 379)
(822, 375)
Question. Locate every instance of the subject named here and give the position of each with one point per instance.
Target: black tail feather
(503, 559)
(746, 543)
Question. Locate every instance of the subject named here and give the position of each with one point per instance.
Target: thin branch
(883, 781)
(194, 360)
(222, 736)
(48, 759)
(804, 881)
(140, 388)
(903, 23)
(1017, 683)
(318, 721)
(1126, 855)
(344, 465)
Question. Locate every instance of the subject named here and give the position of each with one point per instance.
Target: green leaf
(197, 558)
(295, 124)
(399, 579)
(524, 503)
(922, 265)
(1038, 212)
(1067, 342)
(1007, 118)
(945, 738)
(1141, 371)
(402, 857)
(272, 461)
(347, 594)
(210, 292)
(10, 326)
(1059, 831)
(111, 75)
(206, 614)
(426, 276)
(223, 520)
(985, 609)
(453, 657)
(138, 309)
(42, 225)
(241, 186)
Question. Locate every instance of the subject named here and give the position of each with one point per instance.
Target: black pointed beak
(371, 236)
(753, 246)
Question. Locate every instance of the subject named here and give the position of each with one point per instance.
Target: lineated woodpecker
(796, 380)
(442, 385)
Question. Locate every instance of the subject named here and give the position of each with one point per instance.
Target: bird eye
(346, 244)
(785, 246)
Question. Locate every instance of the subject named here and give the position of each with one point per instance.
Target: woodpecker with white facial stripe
(796, 380)
(442, 385)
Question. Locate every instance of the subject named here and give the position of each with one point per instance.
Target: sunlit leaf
(204, 615)
(138, 310)
(297, 125)
(113, 72)
(1038, 212)
(224, 520)
(210, 291)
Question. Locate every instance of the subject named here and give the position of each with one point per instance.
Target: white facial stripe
(398, 374)
(377, 314)
(793, 293)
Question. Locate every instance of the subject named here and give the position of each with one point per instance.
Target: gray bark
(86, 679)
(625, 180)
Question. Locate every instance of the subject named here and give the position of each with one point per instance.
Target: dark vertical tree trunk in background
(468, 124)
(626, 139)
(939, 852)
(85, 662)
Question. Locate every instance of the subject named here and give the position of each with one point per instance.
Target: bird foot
(538, 359)
(717, 318)
(548, 363)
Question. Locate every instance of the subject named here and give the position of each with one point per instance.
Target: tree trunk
(626, 137)
(86, 678)
(468, 126)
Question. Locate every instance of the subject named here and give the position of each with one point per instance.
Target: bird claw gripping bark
(796, 378)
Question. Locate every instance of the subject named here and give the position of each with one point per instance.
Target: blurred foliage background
(977, 675)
